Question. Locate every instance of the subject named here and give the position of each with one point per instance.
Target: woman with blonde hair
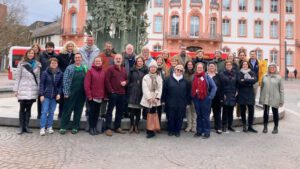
(37, 51)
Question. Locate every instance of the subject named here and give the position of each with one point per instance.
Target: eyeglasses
(179, 70)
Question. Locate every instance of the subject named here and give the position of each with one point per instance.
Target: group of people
(141, 85)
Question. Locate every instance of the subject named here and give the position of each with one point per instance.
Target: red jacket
(114, 77)
(107, 61)
(94, 83)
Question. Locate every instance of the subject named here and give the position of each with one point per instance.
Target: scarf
(32, 63)
(177, 77)
(246, 73)
(199, 87)
(154, 83)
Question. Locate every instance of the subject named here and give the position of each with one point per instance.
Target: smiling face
(118, 60)
(78, 59)
(129, 49)
(200, 68)
(53, 64)
(30, 54)
(212, 68)
(49, 49)
(190, 66)
(159, 61)
(245, 65)
(272, 69)
(36, 49)
(139, 62)
(152, 69)
(228, 66)
(90, 41)
(98, 62)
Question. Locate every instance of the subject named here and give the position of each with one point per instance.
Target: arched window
(156, 48)
(175, 25)
(194, 26)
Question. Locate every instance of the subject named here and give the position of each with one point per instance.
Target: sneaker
(109, 132)
(50, 130)
(42, 132)
(62, 131)
(219, 131)
(120, 131)
(74, 131)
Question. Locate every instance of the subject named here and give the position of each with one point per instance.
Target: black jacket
(245, 89)
(217, 98)
(64, 60)
(229, 86)
(51, 84)
(254, 68)
(134, 89)
(44, 59)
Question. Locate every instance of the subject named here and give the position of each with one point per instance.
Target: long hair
(65, 48)
(25, 58)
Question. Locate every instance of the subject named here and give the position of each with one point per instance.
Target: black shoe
(150, 135)
(170, 134)
(206, 136)
(27, 130)
(250, 129)
(20, 131)
(92, 132)
(231, 129)
(177, 134)
(265, 130)
(245, 128)
(96, 131)
(275, 130)
(197, 134)
(224, 129)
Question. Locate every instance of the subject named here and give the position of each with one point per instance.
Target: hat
(199, 50)
(153, 64)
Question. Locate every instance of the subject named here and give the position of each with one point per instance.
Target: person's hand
(16, 94)
(236, 93)
(57, 97)
(42, 98)
(123, 83)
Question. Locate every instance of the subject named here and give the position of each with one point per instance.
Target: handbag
(152, 122)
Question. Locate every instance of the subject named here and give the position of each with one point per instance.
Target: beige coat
(181, 61)
(25, 85)
(147, 94)
(271, 92)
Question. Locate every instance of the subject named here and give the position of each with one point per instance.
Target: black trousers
(135, 116)
(216, 109)
(24, 113)
(250, 114)
(61, 105)
(94, 113)
(227, 116)
(275, 115)
(39, 108)
(115, 100)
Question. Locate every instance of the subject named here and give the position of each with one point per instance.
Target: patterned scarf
(154, 83)
(199, 87)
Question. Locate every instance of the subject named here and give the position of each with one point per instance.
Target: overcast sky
(42, 10)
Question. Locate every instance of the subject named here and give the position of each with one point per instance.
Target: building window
(258, 28)
(175, 1)
(158, 3)
(226, 50)
(289, 6)
(258, 5)
(196, 1)
(73, 23)
(226, 5)
(289, 58)
(158, 24)
(289, 30)
(156, 48)
(259, 54)
(194, 26)
(226, 27)
(274, 29)
(274, 5)
(175, 25)
(242, 28)
(213, 27)
(274, 56)
(242, 5)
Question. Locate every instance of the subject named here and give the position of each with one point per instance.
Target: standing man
(254, 66)
(89, 52)
(107, 56)
(183, 57)
(129, 58)
(219, 61)
(115, 82)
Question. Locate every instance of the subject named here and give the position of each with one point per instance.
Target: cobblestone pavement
(233, 150)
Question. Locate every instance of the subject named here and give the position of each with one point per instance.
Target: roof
(51, 29)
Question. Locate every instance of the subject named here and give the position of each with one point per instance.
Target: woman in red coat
(95, 92)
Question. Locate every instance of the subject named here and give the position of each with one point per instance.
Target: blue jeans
(48, 109)
(202, 108)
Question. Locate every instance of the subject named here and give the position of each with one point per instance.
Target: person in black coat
(176, 92)
(229, 81)
(245, 97)
(135, 92)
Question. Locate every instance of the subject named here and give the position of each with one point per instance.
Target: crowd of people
(142, 86)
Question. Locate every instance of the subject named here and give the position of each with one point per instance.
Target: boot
(91, 131)
(245, 128)
(265, 130)
(224, 129)
(27, 130)
(251, 129)
(136, 130)
(20, 131)
(131, 129)
(27, 118)
(188, 129)
(275, 130)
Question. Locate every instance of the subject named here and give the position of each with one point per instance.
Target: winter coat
(94, 83)
(113, 78)
(64, 60)
(263, 69)
(217, 81)
(211, 87)
(25, 84)
(44, 59)
(229, 86)
(245, 89)
(271, 92)
(148, 94)
(127, 63)
(68, 78)
(181, 61)
(135, 80)
(51, 84)
(254, 68)
(176, 94)
(220, 65)
(88, 58)
(107, 61)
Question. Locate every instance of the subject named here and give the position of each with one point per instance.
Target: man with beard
(183, 58)
(107, 55)
(89, 52)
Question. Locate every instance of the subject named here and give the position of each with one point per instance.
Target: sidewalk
(5, 84)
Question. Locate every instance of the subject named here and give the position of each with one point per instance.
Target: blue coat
(51, 84)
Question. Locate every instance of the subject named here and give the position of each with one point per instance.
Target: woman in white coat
(26, 88)
(152, 90)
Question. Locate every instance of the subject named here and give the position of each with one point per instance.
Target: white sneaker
(50, 130)
(42, 132)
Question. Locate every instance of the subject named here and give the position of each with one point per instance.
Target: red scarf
(199, 87)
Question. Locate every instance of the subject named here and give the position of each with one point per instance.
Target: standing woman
(65, 58)
(176, 95)
(26, 88)
(174, 63)
(203, 91)
(73, 88)
(37, 51)
(166, 57)
(135, 93)
(152, 91)
(161, 71)
(271, 95)
(216, 102)
(228, 90)
(245, 97)
(190, 109)
(50, 91)
(94, 86)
